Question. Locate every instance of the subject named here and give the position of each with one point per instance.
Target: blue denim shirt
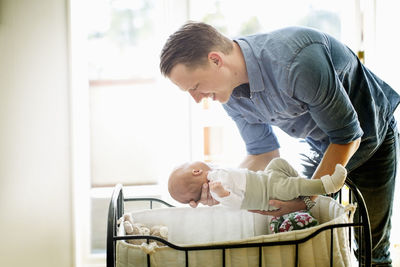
(312, 87)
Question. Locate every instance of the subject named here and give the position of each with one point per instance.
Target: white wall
(35, 190)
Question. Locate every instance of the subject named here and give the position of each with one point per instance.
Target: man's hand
(283, 207)
(205, 199)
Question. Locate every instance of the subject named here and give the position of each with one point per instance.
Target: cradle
(328, 244)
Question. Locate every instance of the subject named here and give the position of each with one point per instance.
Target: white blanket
(217, 225)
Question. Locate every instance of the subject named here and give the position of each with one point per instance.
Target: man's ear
(197, 172)
(215, 58)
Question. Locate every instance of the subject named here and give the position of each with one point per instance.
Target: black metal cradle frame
(361, 227)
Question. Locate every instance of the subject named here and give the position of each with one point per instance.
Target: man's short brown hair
(190, 46)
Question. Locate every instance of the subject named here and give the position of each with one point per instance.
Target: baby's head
(185, 181)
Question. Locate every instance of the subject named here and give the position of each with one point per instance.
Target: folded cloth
(292, 221)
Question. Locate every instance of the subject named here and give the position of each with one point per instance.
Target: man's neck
(238, 64)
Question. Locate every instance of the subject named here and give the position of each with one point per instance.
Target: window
(137, 131)
(132, 126)
(130, 109)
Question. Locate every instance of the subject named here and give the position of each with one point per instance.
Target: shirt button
(259, 120)
(272, 119)
(293, 130)
(295, 114)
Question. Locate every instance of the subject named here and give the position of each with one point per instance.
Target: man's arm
(335, 154)
(259, 162)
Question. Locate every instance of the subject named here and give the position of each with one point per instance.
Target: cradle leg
(223, 257)
(148, 256)
(331, 261)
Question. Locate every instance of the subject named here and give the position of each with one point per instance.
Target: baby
(244, 189)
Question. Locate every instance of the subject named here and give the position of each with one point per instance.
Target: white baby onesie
(234, 181)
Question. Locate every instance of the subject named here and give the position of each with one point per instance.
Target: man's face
(210, 81)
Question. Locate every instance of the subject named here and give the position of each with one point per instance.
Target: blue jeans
(376, 180)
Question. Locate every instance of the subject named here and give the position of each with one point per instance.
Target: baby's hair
(183, 189)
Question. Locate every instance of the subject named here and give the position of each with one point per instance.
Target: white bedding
(217, 225)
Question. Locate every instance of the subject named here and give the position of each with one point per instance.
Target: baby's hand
(217, 188)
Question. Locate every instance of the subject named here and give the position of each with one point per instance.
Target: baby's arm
(217, 188)
(225, 197)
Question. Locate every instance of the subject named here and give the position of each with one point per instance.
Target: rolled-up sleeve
(313, 80)
(258, 137)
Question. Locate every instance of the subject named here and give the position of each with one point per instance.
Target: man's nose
(196, 96)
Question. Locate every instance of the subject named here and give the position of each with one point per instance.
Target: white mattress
(217, 225)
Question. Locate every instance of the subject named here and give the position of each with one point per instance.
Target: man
(312, 87)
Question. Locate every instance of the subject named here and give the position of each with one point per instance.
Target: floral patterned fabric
(292, 221)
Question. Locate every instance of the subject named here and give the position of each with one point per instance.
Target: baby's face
(186, 181)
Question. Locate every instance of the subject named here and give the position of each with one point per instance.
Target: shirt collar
(242, 90)
(253, 71)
